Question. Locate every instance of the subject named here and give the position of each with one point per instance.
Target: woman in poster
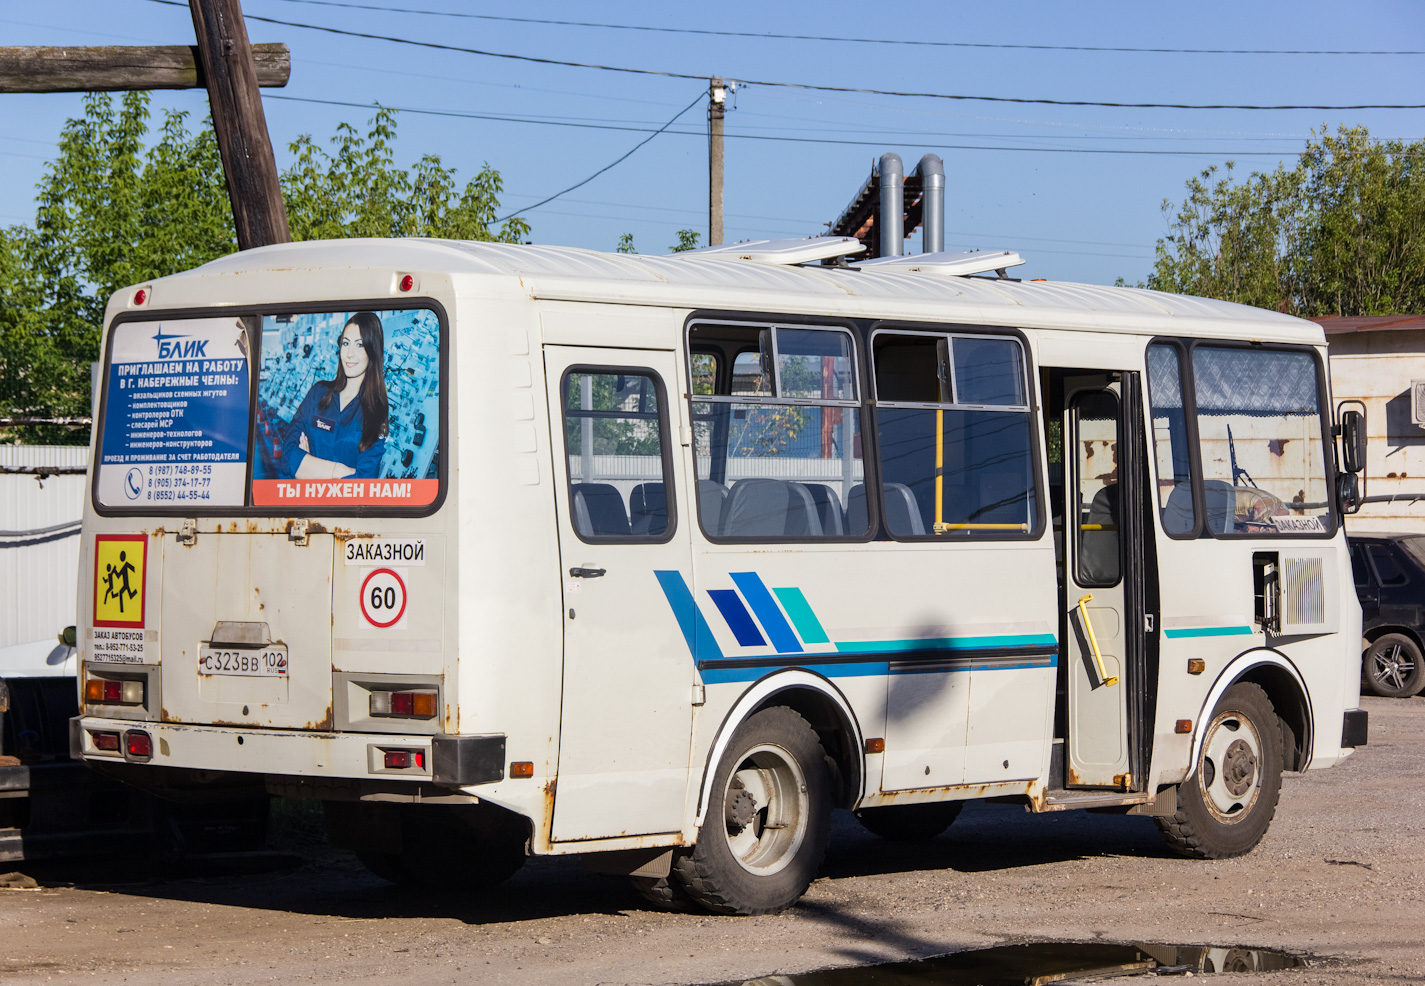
(339, 429)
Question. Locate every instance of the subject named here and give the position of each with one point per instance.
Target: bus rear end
(267, 580)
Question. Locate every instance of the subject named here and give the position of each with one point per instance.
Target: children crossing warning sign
(119, 569)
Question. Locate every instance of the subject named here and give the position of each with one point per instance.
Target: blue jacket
(331, 434)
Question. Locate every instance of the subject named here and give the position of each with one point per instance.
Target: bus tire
(768, 821)
(1226, 804)
(664, 893)
(1394, 668)
(910, 823)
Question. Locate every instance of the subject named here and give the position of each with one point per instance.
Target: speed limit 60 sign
(383, 598)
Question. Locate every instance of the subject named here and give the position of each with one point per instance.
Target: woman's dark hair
(375, 409)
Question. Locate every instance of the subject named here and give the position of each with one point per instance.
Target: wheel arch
(1376, 632)
(1275, 674)
(817, 700)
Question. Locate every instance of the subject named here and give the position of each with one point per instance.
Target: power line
(820, 37)
(800, 85)
(503, 118)
(698, 99)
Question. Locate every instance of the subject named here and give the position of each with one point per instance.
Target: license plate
(247, 662)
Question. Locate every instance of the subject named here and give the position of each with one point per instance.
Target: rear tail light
(109, 691)
(108, 742)
(404, 759)
(138, 744)
(407, 704)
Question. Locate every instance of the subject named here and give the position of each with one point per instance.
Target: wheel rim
(1392, 666)
(1229, 773)
(765, 809)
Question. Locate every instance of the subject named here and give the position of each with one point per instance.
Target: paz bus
(503, 550)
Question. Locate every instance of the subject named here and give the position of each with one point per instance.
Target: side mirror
(1353, 442)
(1348, 492)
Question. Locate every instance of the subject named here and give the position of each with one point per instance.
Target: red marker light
(406, 283)
(398, 759)
(139, 743)
(106, 741)
(140, 296)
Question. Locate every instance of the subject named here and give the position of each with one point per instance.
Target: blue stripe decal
(729, 603)
(690, 619)
(779, 631)
(717, 676)
(947, 643)
(1208, 632)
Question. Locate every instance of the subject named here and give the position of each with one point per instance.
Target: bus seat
(828, 509)
(712, 498)
(1221, 505)
(1177, 512)
(598, 510)
(1099, 549)
(648, 509)
(770, 508)
(902, 512)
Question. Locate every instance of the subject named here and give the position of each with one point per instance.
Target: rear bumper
(450, 761)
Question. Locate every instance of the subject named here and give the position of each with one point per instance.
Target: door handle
(1093, 642)
(586, 573)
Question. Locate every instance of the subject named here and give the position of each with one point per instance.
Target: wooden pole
(717, 96)
(226, 55)
(118, 68)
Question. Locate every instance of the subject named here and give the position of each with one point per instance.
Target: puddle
(1048, 962)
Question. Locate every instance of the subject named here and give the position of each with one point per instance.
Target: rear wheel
(1226, 804)
(766, 827)
(1394, 667)
(910, 823)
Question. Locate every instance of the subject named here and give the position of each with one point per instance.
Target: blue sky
(1022, 176)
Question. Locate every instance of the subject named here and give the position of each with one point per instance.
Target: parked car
(1389, 571)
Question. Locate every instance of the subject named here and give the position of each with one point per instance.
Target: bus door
(1103, 578)
(626, 720)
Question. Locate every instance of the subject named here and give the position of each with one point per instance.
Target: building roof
(1338, 324)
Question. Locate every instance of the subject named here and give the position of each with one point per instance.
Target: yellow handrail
(941, 527)
(1103, 675)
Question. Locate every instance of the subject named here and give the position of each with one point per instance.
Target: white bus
(508, 550)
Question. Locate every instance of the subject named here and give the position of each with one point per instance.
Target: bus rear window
(344, 412)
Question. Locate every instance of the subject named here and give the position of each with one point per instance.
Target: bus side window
(1170, 441)
(777, 442)
(955, 434)
(615, 436)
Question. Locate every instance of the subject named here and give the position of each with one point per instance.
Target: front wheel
(1393, 666)
(767, 824)
(1226, 804)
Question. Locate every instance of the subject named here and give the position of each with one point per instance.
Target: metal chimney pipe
(891, 218)
(932, 188)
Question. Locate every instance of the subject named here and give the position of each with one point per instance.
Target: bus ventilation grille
(1303, 595)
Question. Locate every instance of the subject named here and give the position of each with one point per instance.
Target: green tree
(625, 244)
(687, 240)
(115, 209)
(1340, 233)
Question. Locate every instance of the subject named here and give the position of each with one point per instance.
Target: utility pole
(119, 68)
(717, 109)
(225, 53)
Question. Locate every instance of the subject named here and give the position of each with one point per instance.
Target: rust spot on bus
(324, 724)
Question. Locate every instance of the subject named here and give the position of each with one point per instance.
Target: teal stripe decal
(803, 618)
(947, 643)
(1209, 632)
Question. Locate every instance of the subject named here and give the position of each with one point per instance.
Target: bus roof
(723, 281)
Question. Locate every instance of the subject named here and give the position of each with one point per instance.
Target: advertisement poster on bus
(348, 409)
(175, 422)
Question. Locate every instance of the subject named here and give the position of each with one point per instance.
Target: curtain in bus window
(613, 435)
(1259, 429)
(1170, 441)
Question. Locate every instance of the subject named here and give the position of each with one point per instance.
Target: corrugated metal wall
(39, 571)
